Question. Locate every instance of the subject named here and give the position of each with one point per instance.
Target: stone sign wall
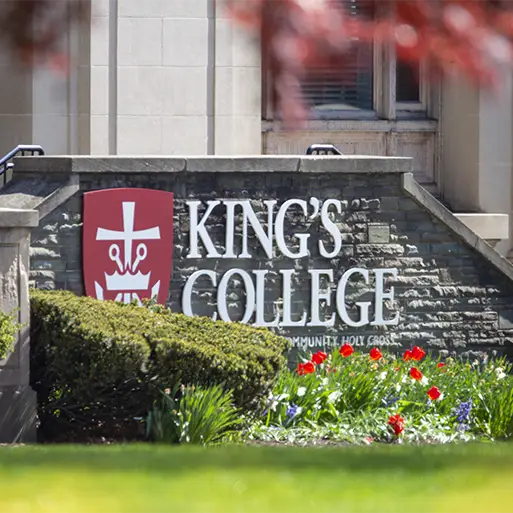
(324, 251)
(17, 399)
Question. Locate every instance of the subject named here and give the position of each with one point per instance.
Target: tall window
(350, 86)
(369, 83)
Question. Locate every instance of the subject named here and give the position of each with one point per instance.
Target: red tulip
(319, 357)
(300, 368)
(397, 424)
(433, 393)
(408, 355)
(415, 373)
(417, 353)
(375, 354)
(346, 350)
(309, 368)
(440, 365)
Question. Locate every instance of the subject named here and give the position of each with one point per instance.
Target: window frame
(385, 106)
(414, 108)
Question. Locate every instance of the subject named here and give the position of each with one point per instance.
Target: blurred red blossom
(467, 36)
(34, 30)
(473, 37)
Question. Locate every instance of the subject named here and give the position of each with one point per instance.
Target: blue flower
(462, 414)
(390, 400)
(292, 411)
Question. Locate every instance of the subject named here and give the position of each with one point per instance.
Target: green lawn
(150, 479)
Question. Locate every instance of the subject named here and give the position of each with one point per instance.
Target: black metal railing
(21, 150)
(323, 149)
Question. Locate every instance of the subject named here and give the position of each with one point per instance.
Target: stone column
(477, 129)
(18, 405)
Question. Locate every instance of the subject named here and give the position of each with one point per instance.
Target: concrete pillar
(15, 102)
(168, 77)
(18, 406)
(237, 106)
(477, 130)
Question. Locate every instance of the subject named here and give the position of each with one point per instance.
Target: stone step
(490, 227)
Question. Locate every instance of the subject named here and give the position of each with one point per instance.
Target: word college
(128, 251)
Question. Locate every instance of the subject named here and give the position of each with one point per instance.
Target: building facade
(176, 77)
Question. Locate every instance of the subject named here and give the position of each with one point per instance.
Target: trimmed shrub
(9, 328)
(99, 364)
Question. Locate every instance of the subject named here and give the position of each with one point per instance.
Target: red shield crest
(127, 244)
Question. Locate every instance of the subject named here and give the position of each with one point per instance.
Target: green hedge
(9, 328)
(98, 364)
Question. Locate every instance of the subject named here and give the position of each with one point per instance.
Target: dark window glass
(407, 83)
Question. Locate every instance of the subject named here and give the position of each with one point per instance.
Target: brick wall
(450, 298)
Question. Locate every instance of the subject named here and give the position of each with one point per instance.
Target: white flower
(301, 391)
(424, 380)
(324, 382)
(334, 396)
(398, 387)
(382, 376)
(500, 373)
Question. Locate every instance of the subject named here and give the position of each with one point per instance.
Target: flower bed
(361, 398)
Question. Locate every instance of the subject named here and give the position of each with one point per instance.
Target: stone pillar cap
(18, 218)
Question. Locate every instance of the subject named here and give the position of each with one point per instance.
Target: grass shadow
(165, 459)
